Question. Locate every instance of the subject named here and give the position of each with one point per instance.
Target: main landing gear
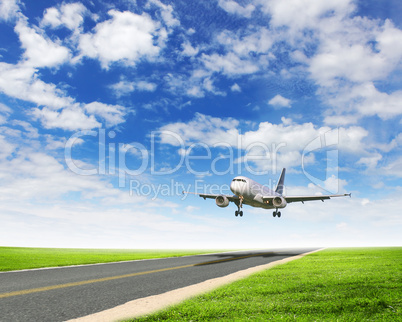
(239, 205)
(276, 213)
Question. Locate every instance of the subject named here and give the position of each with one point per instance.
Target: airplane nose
(234, 186)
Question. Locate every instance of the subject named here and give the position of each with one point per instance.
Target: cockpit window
(242, 180)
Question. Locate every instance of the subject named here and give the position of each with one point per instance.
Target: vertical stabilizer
(281, 181)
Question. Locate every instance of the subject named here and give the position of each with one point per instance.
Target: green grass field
(331, 285)
(17, 258)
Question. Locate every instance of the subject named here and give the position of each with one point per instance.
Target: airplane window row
(242, 180)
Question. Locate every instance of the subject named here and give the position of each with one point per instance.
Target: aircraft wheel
(274, 214)
(236, 213)
(241, 213)
(279, 214)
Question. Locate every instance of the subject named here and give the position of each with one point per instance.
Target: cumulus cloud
(347, 56)
(9, 9)
(189, 50)
(56, 109)
(126, 38)
(166, 12)
(22, 82)
(81, 116)
(235, 88)
(112, 114)
(70, 15)
(282, 143)
(39, 50)
(234, 8)
(229, 64)
(244, 53)
(299, 15)
(204, 128)
(279, 101)
(70, 118)
(371, 161)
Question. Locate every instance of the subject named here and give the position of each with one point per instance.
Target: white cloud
(189, 50)
(244, 52)
(146, 86)
(55, 109)
(4, 109)
(125, 38)
(6, 150)
(39, 50)
(197, 85)
(344, 54)
(299, 15)
(279, 101)
(370, 161)
(267, 146)
(70, 118)
(370, 101)
(229, 64)
(233, 7)
(70, 15)
(235, 88)
(195, 91)
(125, 87)
(22, 82)
(335, 184)
(81, 117)
(48, 202)
(393, 168)
(341, 120)
(9, 9)
(365, 100)
(29, 129)
(167, 13)
(112, 114)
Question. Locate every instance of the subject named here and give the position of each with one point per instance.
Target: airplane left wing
(232, 198)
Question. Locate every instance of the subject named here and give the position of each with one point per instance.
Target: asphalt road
(59, 294)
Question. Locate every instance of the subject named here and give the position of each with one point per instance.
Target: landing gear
(276, 213)
(239, 213)
(239, 205)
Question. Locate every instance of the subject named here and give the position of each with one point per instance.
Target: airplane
(249, 192)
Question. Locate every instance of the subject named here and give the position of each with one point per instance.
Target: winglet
(279, 186)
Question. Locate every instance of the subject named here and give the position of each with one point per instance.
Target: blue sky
(109, 110)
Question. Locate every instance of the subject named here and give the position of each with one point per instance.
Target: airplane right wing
(310, 198)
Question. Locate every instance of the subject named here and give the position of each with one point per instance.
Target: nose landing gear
(239, 213)
(239, 205)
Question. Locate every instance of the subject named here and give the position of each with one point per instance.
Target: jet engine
(279, 202)
(222, 201)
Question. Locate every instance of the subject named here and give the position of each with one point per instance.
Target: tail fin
(281, 181)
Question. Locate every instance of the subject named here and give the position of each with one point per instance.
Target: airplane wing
(232, 198)
(302, 199)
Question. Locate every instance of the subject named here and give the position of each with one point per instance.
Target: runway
(60, 294)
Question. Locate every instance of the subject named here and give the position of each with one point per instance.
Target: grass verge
(331, 285)
(17, 258)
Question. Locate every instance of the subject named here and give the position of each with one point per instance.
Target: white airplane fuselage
(252, 192)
